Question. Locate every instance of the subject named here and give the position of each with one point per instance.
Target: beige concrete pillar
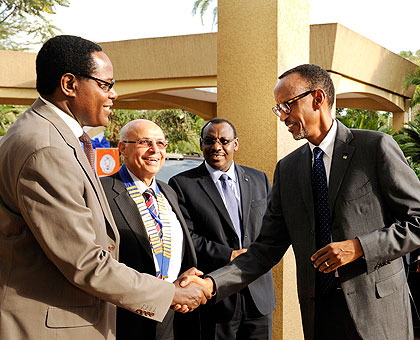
(257, 41)
(398, 120)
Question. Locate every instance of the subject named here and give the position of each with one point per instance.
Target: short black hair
(316, 78)
(60, 55)
(218, 121)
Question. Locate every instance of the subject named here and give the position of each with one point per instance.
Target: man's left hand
(336, 254)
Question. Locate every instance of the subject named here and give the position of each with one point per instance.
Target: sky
(393, 24)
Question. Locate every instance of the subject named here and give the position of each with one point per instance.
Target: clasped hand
(191, 291)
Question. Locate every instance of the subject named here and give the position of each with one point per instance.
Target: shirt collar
(215, 174)
(141, 185)
(327, 144)
(70, 121)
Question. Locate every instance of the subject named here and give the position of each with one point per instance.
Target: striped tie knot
(149, 195)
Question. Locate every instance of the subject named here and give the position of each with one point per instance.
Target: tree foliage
(413, 57)
(414, 77)
(8, 115)
(182, 128)
(24, 23)
(202, 6)
(409, 140)
(365, 119)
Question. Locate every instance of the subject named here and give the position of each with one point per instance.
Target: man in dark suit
(163, 253)
(350, 212)
(219, 235)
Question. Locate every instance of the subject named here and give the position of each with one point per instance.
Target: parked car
(176, 163)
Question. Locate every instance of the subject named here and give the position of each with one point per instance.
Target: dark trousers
(247, 323)
(332, 318)
(165, 329)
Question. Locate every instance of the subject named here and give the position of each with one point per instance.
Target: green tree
(201, 6)
(413, 57)
(182, 128)
(8, 115)
(28, 18)
(414, 77)
(365, 119)
(409, 142)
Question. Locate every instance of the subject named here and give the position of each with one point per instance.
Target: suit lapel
(42, 109)
(342, 155)
(171, 198)
(304, 173)
(207, 184)
(246, 194)
(131, 214)
(173, 201)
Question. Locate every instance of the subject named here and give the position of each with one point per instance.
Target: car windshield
(173, 167)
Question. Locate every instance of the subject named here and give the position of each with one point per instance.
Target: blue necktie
(322, 217)
(231, 205)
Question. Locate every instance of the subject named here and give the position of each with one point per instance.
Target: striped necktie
(88, 149)
(148, 195)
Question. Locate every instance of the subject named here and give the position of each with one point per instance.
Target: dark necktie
(322, 217)
(150, 203)
(88, 149)
(231, 205)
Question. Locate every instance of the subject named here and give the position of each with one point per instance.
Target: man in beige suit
(59, 274)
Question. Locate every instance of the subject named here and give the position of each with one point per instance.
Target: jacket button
(111, 248)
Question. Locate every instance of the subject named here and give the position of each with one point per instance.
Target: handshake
(191, 290)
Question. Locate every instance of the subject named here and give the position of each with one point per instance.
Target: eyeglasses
(104, 85)
(148, 143)
(285, 106)
(212, 141)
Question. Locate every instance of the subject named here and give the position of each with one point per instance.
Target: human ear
(121, 147)
(319, 99)
(236, 145)
(68, 84)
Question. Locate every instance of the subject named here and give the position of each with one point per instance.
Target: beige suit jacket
(59, 274)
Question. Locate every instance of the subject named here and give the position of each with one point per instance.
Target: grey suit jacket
(58, 240)
(374, 196)
(214, 235)
(135, 252)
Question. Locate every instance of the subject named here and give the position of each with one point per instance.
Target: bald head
(143, 146)
(137, 124)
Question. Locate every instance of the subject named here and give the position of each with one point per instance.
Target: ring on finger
(326, 263)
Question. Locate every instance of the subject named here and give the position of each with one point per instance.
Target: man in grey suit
(356, 191)
(219, 236)
(59, 274)
(143, 146)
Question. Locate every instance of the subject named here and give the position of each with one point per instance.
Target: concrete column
(257, 41)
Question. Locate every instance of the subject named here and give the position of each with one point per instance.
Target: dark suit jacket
(374, 196)
(212, 231)
(135, 251)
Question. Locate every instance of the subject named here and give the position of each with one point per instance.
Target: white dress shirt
(234, 183)
(327, 145)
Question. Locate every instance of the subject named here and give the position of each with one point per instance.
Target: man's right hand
(186, 299)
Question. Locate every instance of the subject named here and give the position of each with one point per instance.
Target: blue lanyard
(128, 182)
